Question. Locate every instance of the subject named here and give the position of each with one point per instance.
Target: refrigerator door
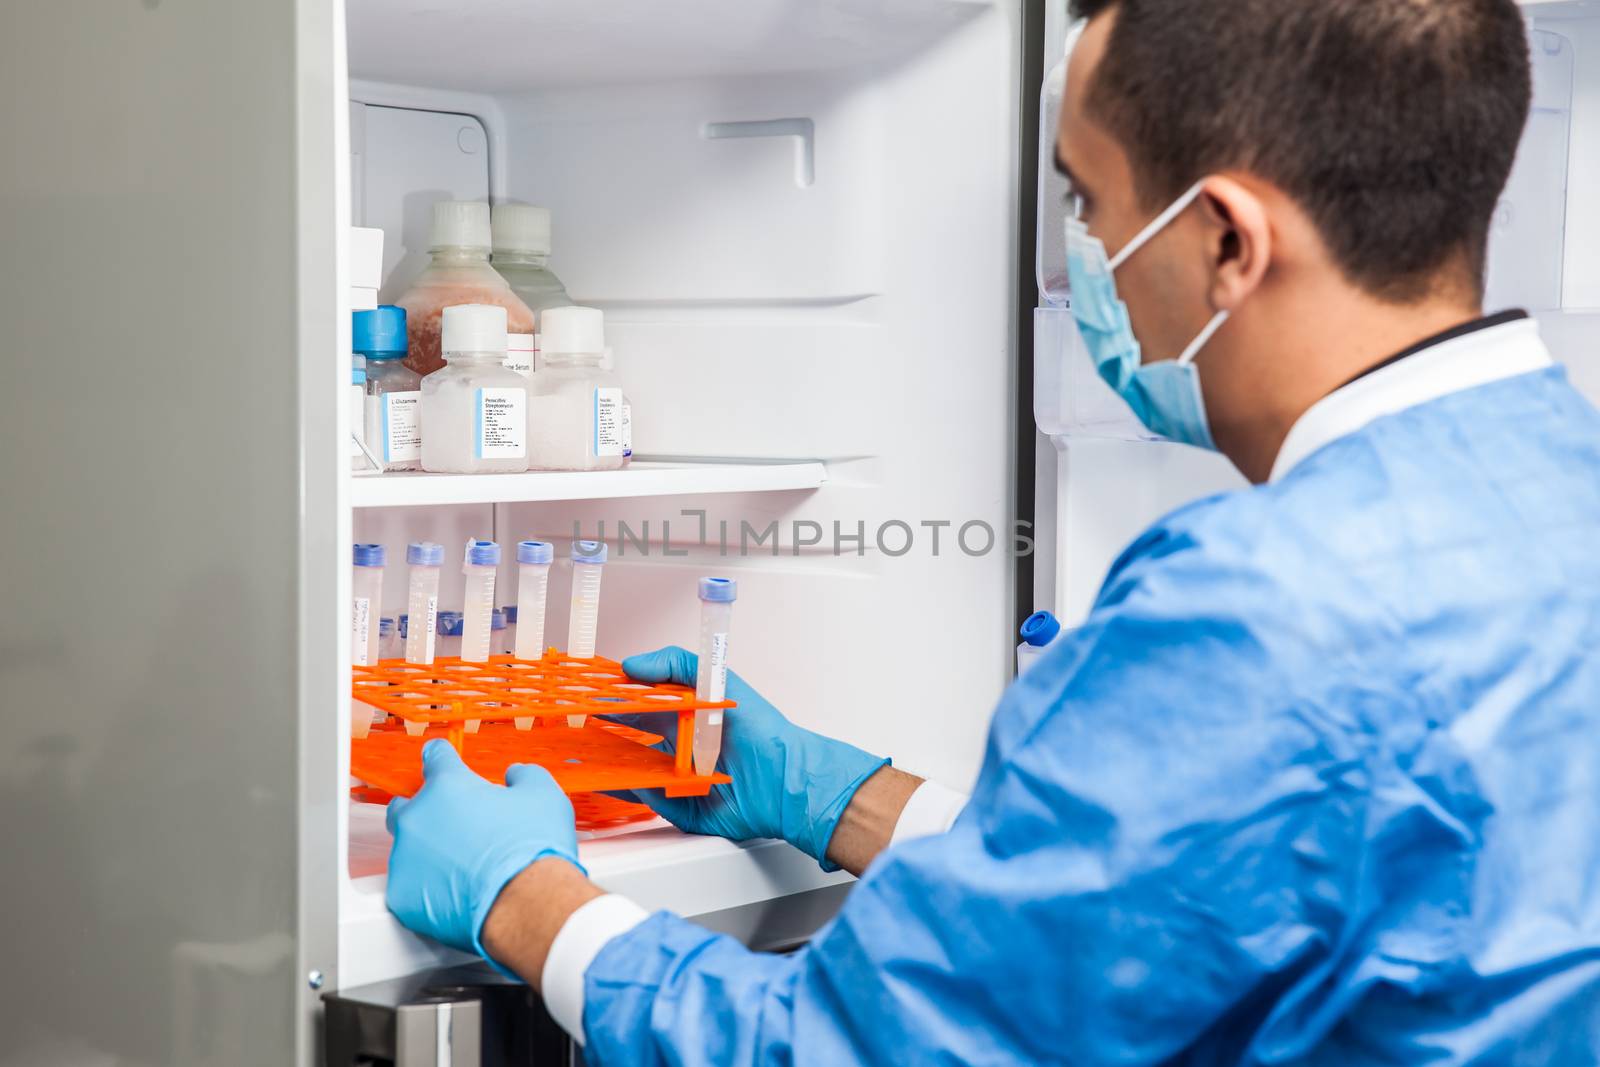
(179, 294)
(1100, 478)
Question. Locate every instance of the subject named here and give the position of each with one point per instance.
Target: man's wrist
(529, 913)
(868, 822)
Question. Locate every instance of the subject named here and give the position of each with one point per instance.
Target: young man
(1318, 781)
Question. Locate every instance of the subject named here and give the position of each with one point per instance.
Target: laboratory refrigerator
(823, 237)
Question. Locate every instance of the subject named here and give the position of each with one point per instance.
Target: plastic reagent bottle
(533, 586)
(358, 411)
(578, 417)
(1038, 631)
(366, 583)
(716, 616)
(459, 273)
(422, 600)
(475, 409)
(394, 392)
(521, 254)
(588, 557)
(478, 567)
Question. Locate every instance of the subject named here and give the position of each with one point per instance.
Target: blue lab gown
(1318, 782)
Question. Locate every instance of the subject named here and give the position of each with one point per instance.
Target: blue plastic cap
(719, 590)
(425, 554)
(385, 627)
(450, 623)
(379, 334)
(535, 552)
(510, 612)
(369, 555)
(1040, 629)
(497, 619)
(588, 551)
(483, 553)
(403, 620)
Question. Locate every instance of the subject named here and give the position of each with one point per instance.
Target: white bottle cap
(574, 330)
(522, 228)
(460, 224)
(473, 328)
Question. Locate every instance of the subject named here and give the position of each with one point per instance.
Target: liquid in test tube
(711, 683)
(588, 557)
(478, 567)
(422, 600)
(366, 584)
(533, 586)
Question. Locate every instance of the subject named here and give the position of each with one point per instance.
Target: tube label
(719, 670)
(360, 631)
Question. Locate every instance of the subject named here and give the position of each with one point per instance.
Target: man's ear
(1238, 241)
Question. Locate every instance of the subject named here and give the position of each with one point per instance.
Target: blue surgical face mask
(1166, 395)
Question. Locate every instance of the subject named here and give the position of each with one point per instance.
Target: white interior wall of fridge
(800, 223)
(1548, 230)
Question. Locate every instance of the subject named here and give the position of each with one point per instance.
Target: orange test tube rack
(502, 695)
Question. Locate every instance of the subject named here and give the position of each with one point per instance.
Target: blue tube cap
(483, 553)
(719, 590)
(425, 554)
(450, 623)
(369, 555)
(588, 551)
(1040, 629)
(535, 552)
(385, 627)
(510, 612)
(497, 619)
(403, 620)
(379, 334)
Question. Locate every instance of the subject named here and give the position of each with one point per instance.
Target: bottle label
(402, 427)
(502, 424)
(609, 423)
(719, 671)
(520, 348)
(627, 429)
(360, 631)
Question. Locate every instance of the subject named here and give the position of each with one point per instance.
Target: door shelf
(640, 479)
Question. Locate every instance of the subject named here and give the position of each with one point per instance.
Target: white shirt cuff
(931, 810)
(577, 943)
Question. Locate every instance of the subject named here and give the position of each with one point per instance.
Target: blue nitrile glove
(461, 839)
(788, 783)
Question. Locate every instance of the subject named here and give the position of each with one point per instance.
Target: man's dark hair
(1392, 123)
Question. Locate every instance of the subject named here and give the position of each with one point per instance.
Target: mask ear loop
(1206, 334)
(1161, 222)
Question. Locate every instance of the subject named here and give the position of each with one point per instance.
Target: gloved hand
(788, 783)
(461, 839)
